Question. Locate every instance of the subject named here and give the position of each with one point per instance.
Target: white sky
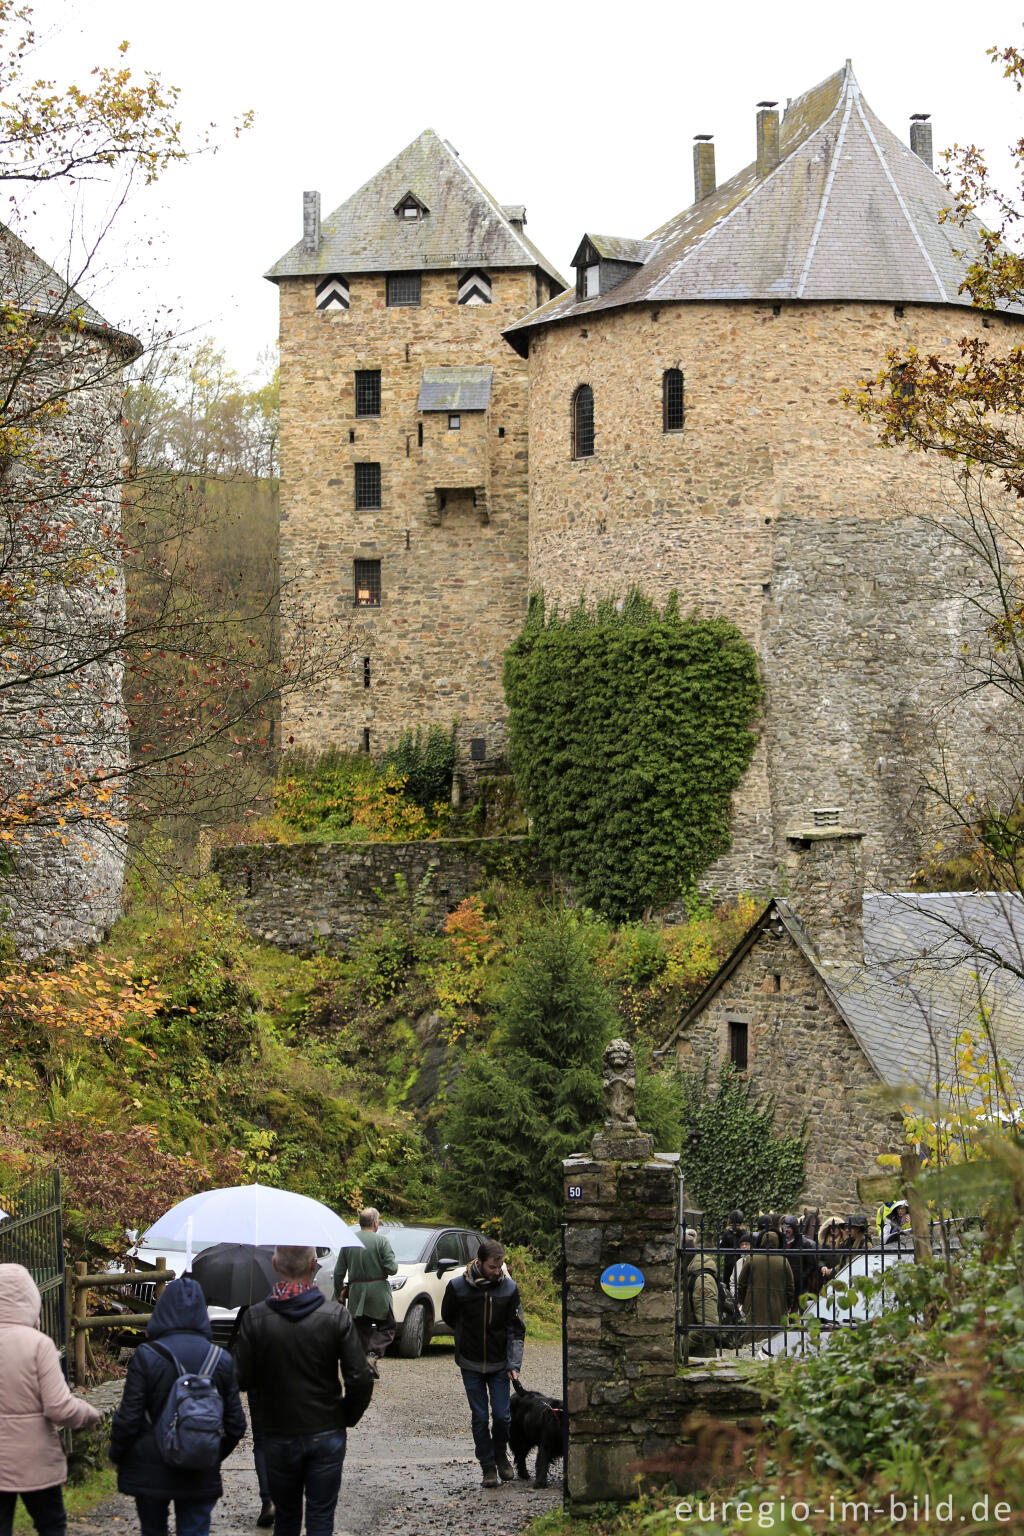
(585, 113)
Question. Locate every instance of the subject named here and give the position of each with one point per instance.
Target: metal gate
(32, 1233)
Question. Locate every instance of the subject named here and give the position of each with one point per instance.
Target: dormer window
(410, 209)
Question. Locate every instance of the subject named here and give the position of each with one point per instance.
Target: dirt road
(409, 1469)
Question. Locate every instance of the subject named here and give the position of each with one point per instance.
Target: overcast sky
(585, 113)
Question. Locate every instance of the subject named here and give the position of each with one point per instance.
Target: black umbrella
(235, 1274)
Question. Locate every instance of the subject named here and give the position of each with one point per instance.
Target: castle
(459, 428)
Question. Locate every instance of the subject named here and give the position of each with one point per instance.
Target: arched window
(583, 423)
(672, 407)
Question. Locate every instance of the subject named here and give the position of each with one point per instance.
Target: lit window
(672, 409)
(367, 391)
(367, 487)
(403, 290)
(367, 593)
(583, 423)
(738, 1044)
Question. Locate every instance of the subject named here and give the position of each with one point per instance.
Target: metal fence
(32, 1233)
(762, 1302)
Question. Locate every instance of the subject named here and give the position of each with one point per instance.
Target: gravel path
(409, 1469)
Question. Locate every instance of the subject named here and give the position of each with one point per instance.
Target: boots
(490, 1477)
(506, 1471)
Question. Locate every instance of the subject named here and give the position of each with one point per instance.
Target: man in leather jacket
(288, 1354)
(482, 1308)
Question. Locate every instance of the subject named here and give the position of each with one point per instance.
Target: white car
(428, 1257)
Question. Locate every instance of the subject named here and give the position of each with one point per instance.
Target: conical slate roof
(849, 213)
(462, 225)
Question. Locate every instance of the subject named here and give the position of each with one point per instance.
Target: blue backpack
(190, 1426)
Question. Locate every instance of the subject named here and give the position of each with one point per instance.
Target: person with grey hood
(178, 1338)
(482, 1308)
(35, 1404)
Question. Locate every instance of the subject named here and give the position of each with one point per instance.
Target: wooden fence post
(910, 1167)
(78, 1312)
(158, 1289)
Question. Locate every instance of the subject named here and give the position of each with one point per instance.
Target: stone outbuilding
(837, 1001)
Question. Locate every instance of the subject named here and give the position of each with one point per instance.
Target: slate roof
(30, 285)
(455, 389)
(929, 961)
(849, 213)
(464, 228)
(619, 248)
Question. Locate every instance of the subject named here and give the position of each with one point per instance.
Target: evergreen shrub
(629, 729)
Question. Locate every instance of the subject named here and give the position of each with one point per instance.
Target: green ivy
(732, 1155)
(427, 765)
(629, 729)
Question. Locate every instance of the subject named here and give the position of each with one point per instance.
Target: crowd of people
(307, 1363)
(742, 1287)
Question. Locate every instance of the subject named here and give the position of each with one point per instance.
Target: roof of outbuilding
(31, 286)
(455, 389)
(849, 213)
(465, 227)
(930, 962)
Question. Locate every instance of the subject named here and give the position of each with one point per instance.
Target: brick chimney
(310, 223)
(767, 138)
(921, 137)
(703, 166)
(825, 869)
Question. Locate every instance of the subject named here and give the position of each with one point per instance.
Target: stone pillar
(621, 1206)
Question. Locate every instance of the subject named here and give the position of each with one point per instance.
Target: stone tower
(688, 432)
(404, 452)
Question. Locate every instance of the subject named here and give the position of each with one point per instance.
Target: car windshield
(409, 1243)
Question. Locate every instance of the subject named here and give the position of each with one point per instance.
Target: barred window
(403, 289)
(367, 391)
(672, 408)
(367, 486)
(367, 593)
(583, 423)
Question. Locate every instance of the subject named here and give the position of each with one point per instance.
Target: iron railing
(32, 1234)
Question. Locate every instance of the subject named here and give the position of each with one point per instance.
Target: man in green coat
(766, 1290)
(366, 1292)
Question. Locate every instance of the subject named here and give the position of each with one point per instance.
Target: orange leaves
(95, 999)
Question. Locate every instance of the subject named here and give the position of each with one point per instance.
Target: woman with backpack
(35, 1403)
(177, 1374)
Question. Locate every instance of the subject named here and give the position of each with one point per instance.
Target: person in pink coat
(35, 1401)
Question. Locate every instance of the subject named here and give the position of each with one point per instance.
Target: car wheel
(414, 1333)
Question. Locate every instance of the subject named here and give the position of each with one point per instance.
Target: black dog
(536, 1421)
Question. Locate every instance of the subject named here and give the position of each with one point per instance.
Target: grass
(79, 1498)
(638, 1519)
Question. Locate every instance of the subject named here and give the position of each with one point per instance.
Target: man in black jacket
(289, 1351)
(179, 1326)
(482, 1308)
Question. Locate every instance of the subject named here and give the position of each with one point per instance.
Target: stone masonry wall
(800, 1052)
(453, 577)
(300, 895)
(776, 507)
(624, 1398)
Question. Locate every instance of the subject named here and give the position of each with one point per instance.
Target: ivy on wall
(629, 729)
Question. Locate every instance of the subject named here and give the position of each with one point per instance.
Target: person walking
(482, 1308)
(178, 1339)
(35, 1402)
(361, 1282)
(289, 1352)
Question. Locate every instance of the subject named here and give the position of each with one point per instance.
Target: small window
(367, 487)
(478, 749)
(366, 738)
(410, 211)
(738, 1044)
(454, 422)
(366, 659)
(672, 400)
(367, 391)
(592, 282)
(367, 584)
(403, 289)
(903, 386)
(583, 423)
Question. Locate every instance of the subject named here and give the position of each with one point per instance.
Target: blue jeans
(191, 1516)
(45, 1505)
(307, 1465)
(478, 1385)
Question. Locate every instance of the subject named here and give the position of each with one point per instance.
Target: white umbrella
(251, 1213)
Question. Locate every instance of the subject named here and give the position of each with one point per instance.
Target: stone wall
(451, 531)
(625, 1399)
(300, 895)
(776, 507)
(802, 1054)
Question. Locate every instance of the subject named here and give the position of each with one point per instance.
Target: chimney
(825, 869)
(310, 223)
(921, 137)
(703, 166)
(516, 215)
(767, 138)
